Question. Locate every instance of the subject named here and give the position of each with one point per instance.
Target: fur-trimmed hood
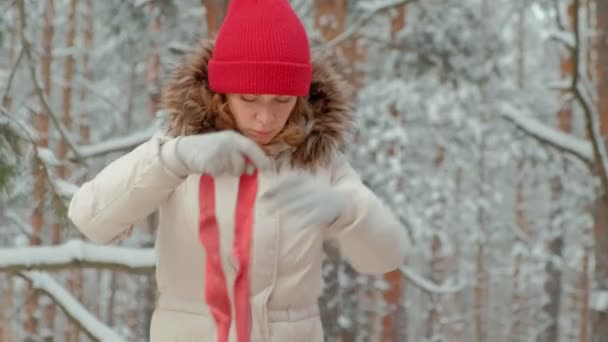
(186, 98)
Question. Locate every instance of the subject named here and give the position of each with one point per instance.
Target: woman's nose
(265, 116)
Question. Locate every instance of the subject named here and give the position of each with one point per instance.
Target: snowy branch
(561, 85)
(564, 37)
(429, 286)
(372, 9)
(78, 313)
(117, 144)
(64, 188)
(76, 253)
(180, 48)
(44, 156)
(554, 137)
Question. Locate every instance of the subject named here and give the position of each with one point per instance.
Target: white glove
(307, 198)
(214, 153)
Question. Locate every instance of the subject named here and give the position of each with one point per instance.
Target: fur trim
(186, 98)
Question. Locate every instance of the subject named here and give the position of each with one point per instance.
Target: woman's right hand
(213, 153)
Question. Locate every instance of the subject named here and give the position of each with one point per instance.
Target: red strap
(248, 188)
(216, 291)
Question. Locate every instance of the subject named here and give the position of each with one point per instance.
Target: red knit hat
(261, 48)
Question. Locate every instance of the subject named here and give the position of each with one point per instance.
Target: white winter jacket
(285, 273)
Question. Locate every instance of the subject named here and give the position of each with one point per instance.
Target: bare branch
(362, 21)
(11, 77)
(561, 17)
(76, 253)
(39, 92)
(73, 309)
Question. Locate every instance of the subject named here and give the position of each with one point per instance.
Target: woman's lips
(261, 133)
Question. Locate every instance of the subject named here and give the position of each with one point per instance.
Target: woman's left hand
(307, 198)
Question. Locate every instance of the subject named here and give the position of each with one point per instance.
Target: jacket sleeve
(124, 193)
(367, 233)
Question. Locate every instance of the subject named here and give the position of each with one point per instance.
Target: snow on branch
(563, 141)
(599, 300)
(76, 253)
(180, 48)
(564, 37)
(564, 84)
(430, 286)
(117, 144)
(64, 188)
(78, 313)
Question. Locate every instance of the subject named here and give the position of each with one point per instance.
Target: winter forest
(482, 123)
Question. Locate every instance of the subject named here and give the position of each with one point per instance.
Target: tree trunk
(62, 171)
(522, 317)
(395, 279)
(553, 285)
(75, 276)
(85, 128)
(111, 308)
(584, 334)
(437, 275)
(481, 273)
(131, 92)
(6, 300)
(153, 70)
(322, 10)
(520, 297)
(600, 315)
(215, 12)
(41, 125)
(443, 307)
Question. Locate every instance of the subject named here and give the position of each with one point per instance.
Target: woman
(251, 101)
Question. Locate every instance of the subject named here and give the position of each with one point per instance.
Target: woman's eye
(248, 98)
(283, 100)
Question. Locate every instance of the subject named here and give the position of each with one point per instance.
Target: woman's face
(260, 117)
